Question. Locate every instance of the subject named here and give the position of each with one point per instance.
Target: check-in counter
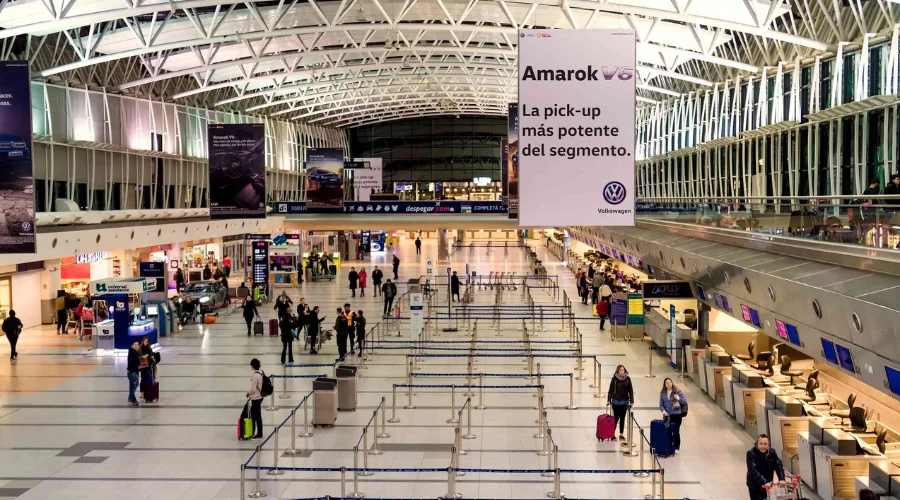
(656, 326)
(837, 466)
(701, 378)
(727, 402)
(745, 399)
(715, 384)
(884, 476)
(693, 368)
(807, 441)
(783, 433)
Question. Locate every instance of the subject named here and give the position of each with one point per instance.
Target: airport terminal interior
(421, 249)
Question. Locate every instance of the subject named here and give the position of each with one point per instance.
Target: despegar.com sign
(576, 127)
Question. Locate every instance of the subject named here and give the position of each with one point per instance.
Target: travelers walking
(250, 312)
(312, 329)
(377, 276)
(396, 265)
(227, 263)
(302, 316)
(762, 464)
(418, 248)
(61, 316)
(287, 324)
(134, 364)
(603, 313)
(389, 290)
(363, 279)
(454, 286)
(283, 305)
(12, 327)
(360, 332)
(583, 288)
(354, 279)
(672, 404)
(256, 398)
(345, 330)
(620, 396)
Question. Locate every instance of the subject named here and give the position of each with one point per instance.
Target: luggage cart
(789, 489)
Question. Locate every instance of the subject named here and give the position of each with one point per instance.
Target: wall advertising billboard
(368, 180)
(325, 178)
(16, 181)
(504, 170)
(512, 161)
(237, 170)
(576, 127)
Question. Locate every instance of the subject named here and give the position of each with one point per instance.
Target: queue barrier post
(629, 441)
(356, 493)
(293, 451)
(375, 450)
(458, 438)
(243, 480)
(468, 434)
(538, 379)
(571, 392)
(453, 419)
(394, 418)
(275, 471)
(343, 482)
(548, 444)
(272, 406)
(650, 364)
(284, 392)
(258, 492)
(481, 392)
(652, 495)
(306, 432)
(451, 484)
(642, 473)
(383, 434)
(409, 393)
(366, 471)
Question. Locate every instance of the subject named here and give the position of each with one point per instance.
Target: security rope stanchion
(571, 392)
(599, 371)
(275, 471)
(293, 451)
(306, 432)
(480, 392)
(643, 472)
(541, 421)
(459, 444)
(580, 362)
(452, 419)
(538, 379)
(540, 403)
(365, 471)
(394, 418)
(451, 484)
(243, 480)
(468, 434)
(652, 495)
(683, 361)
(548, 445)
(272, 406)
(629, 441)
(284, 391)
(375, 450)
(258, 492)
(650, 364)
(409, 394)
(356, 493)
(556, 477)
(383, 434)
(343, 482)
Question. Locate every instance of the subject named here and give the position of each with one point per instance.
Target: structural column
(443, 246)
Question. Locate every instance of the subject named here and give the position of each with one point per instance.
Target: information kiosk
(126, 321)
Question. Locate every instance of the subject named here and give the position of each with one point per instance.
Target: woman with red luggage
(620, 396)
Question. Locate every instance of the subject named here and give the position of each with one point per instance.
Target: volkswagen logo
(614, 193)
(522, 35)
(26, 226)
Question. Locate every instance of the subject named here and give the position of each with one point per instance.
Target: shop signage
(576, 127)
(654, 289)
(123, 285)
(152, 269)
(399, 207)
(619, 312)
(260, 262)
(85, 258)
(237, 170)
(635, 309)
(17, 211)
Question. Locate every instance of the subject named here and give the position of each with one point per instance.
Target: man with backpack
(260, 387)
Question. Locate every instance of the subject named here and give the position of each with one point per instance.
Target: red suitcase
(606, 427)
(273, 327)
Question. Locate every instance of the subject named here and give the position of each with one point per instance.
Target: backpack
(267, 387)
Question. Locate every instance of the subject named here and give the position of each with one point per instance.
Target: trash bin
(325, 401)
(346, 381)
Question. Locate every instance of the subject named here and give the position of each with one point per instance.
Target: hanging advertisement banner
(504, 171)
(16, 181)
(576, 110)
(367, 180)
(512, 161)
(237, 170)
(325, 178)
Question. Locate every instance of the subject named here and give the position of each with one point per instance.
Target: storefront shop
(77, 272)
(195, 255)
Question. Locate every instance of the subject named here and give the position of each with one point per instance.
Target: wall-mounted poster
(504, 171)
(237, 170)
(325, 178)
(16, 181)
(367, 180)
(512, 161)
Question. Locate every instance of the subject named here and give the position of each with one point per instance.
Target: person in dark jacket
(287, 323)
(893, 188)
(454, 286)
(620, 396)
(207, 273)
(250, 312)
(762, 464)
(12, 327)
(344, 325)
(302, 315)
(353, 277)
(396, 265)
(418, 248)
(312, 328)
(389, 290)
(134, 364)
(179, 280)
(872, 189)
(583, 288)
(377, 276)
(360, 332)
(283, 306)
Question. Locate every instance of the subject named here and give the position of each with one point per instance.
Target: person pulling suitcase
(673, 406)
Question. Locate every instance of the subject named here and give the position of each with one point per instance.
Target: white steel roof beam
(395, 98)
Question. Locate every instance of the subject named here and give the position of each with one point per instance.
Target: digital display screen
(725, 303)
(893, 379)
(630, 262)
(754, 317)
(745, 313)
(830, 355)
(152, 310)
(701, 293)
(793, 335)
(718, 300)
(782, 331)
(845, 359)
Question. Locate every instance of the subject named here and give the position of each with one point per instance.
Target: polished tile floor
(67, 432)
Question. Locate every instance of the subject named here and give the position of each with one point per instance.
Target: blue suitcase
(661, 438)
